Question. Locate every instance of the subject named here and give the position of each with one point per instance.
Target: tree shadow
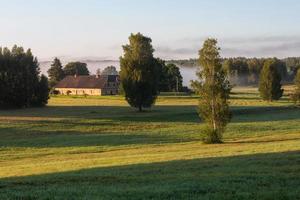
(264, 113)
(258, 176)
(114, 113)
(17, 137)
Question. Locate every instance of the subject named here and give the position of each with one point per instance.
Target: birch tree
(213, 88)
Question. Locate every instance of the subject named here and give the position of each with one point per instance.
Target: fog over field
(188, 73)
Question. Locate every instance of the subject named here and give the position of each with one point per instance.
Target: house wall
(79, 91)
(111, 88)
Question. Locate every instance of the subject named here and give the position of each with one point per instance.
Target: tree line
(21, 84)
(245, 71)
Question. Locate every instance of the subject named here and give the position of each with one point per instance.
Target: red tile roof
(82, 82)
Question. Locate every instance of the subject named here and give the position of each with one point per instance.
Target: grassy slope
(98, 147)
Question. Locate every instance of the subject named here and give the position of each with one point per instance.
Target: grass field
(99, 148)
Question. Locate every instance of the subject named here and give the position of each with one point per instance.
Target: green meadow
(100, 148)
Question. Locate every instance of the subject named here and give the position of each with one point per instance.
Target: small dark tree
(139, 72)
(270, 81)
(213, 88)
(55, 72)
(76, 68)
(296, 94)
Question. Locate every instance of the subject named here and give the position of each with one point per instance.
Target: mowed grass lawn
(100, 148)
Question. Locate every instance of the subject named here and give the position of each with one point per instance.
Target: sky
(97, 29)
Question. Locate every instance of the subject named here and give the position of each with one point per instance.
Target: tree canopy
(110, 70)
(55, 72)
(296, 94)
(170, 78)
(76, 68)
(21, 84)
(139, 72)
(270, 80)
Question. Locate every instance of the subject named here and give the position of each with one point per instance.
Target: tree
(139, 72)
(76, 68)
(296, 94)
(170, 78)
(41, 92)
(110, 70)
(20, 80)
(55, 72)
(270, 81)
(213, 88)
(255, 65)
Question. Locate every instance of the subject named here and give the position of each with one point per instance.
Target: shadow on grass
(13, 137)
(184, 114)
(115, 113)
(260, 176)
(264, 113)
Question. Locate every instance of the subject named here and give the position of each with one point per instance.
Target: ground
(99, 148)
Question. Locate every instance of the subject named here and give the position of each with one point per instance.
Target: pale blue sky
(98, 28)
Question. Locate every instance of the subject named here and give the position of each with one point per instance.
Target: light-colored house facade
(89, 85)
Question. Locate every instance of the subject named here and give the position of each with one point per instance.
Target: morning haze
(161, 99)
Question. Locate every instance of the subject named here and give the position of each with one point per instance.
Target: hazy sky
(98, 28)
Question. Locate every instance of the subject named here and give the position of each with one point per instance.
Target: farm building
(89, 85)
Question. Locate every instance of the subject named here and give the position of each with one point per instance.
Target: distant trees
(77, 68)
(270, 80)
(214, 89)
(110, 70)
(296, 94)
(170, 78)
(139, 72)
(21, 84)
(55, 72)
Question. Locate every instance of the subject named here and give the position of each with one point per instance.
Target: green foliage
(237, 70)
(110, 70)
(270, 80)
(76, 68)
(214, 89)
(55, 72)
(140, 72)
(296, 93)
(170, 78)
(254, 66)
(20, 82)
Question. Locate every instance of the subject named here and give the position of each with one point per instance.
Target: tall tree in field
(296, 94)
(55, 72)
(213, 88)
(139, 72)
(270, 80)
(76, 68)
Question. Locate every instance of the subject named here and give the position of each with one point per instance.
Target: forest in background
(245, 71)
